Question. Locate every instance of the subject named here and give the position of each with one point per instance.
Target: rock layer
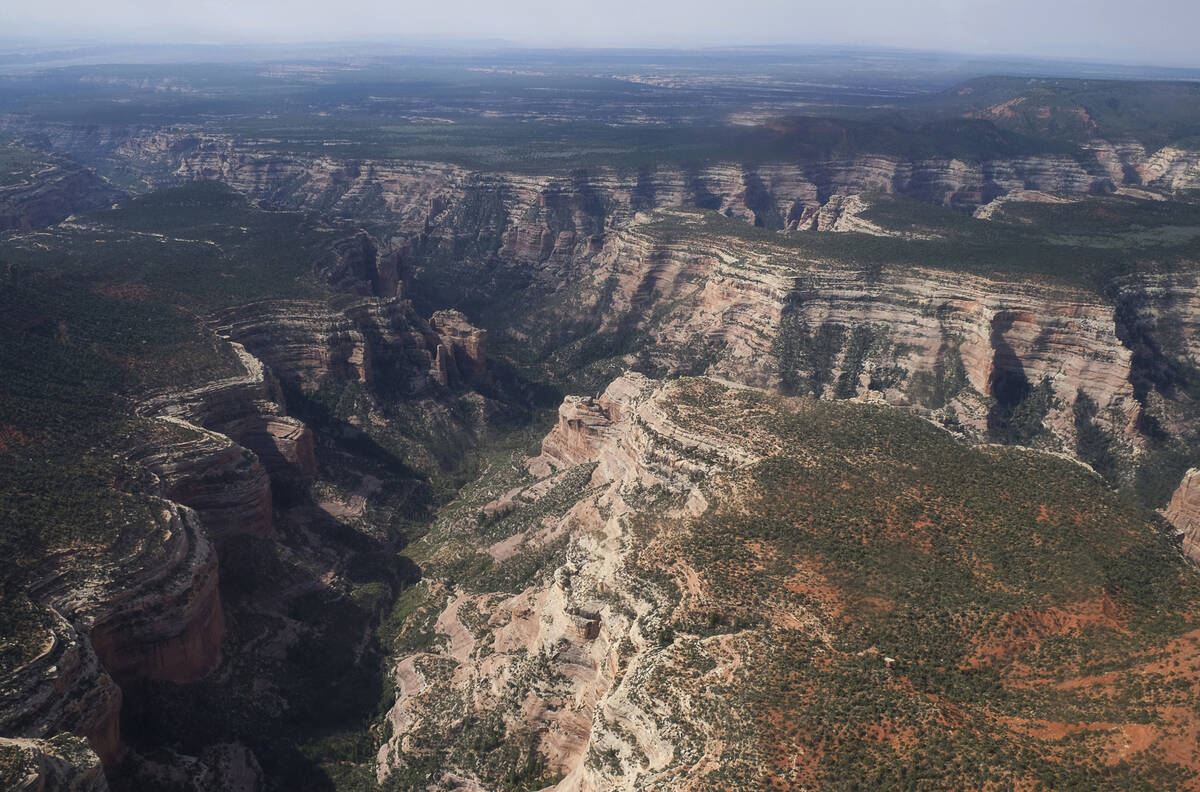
(245, 408)
(580, 627)
(152, 611)
(1183, 512)
(749, 314)
(61, 764)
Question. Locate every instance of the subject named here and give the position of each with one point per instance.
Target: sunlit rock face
(151, 611)
(1183, 512)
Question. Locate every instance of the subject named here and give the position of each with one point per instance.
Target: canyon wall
(909, 339)
(560, 662)
(1183, 512)
(148, 608)
(926, 339)
(414, 196)
(368, 340)
(50, 193)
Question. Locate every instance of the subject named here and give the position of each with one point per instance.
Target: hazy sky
(1148, 31)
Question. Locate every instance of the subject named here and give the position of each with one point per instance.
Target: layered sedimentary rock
(580, 628)
(1158, 316)
(62, 764)
(1183, 512)
(367, 340)
(306, 340)
(415, 193)
(146, 609)
(461, 350)
(245, 408)
(168, 626)
(222, 481)
(555, 230)
(64, 689)
(666, 600)
(747, 314)
(541, 215)
(554, 214)
(1170, 168)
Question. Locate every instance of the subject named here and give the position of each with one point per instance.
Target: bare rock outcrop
(148, 608)
(367, 340)
(461, 349)
(170, 626)
(64, 763)
(246, 408)
(64, 689)
(920, 338)
(1183, 512)
(573, 647)
(222, 481)
(553, 218)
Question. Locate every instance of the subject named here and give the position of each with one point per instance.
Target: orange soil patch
(810, 583)
(1171, 736)
(762, 552)
(1025, 629)
(11, 436)
(1118, 742)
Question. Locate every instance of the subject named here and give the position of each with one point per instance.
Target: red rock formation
(178, 641)
(467, 343)
(246, 409)
(224, 482)
(170, 625)
(151, 612)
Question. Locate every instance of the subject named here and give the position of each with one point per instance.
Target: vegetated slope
(37, 189)
(1154, 113)
(168, 525)
(699, 587)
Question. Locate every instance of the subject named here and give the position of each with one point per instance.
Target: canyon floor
(586, 423)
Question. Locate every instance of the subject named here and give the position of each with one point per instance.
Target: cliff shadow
(1019, 408)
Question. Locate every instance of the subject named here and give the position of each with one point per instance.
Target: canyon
(668, 475)
(631, 662)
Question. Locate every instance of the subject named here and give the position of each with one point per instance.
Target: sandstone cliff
(149, 609)
(638, 613)
(557, 212)
(370, 340)
(63, 763)
(246, 409)
(557, 662)
(918, 338)
(1183, 512)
